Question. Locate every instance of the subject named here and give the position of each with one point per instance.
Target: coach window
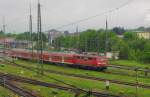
(86, 58)
(56, 57)
(82, 57)
(90, 58)
(67, 58)
(78, 57)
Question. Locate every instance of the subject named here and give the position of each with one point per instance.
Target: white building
(112, 55)
(145, 35)
(53, 34)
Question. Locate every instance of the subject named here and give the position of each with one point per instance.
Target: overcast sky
(56, 13)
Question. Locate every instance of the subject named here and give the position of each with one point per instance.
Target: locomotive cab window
(68, 58)
(78, 57)
(90, 58)
(86, 58)
(57, 57)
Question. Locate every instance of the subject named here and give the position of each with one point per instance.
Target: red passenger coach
(46, 56)
(62, 58)
(74, 60)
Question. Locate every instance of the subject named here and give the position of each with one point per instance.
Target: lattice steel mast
(40, 39)
(106, 37)
(30, 30)
(4, 31)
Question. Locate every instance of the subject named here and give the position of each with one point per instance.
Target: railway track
(50, 85)
(146, 72)
(130, 68)
(144, 75)
(11, 86)
(85, 77)
(126, 74)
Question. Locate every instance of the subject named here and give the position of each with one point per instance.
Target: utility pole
(40, 39)
(106, 37)
(4, 31)
(78, 38)
(4, 26)
(30, 30)
(85, 41)
(149, 30)
(97, 43)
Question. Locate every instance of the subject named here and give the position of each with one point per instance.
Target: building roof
(7, 39)
(53, 30)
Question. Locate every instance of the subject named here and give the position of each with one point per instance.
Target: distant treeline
(130, 46)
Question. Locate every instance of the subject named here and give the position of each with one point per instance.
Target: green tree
(146, 53)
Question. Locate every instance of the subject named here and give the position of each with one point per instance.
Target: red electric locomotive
(74, 60)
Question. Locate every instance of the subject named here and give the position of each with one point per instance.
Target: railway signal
(107, 85)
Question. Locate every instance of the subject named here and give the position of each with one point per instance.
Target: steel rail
(130, 68)
(14, 88)
(88, 77)
(50, 85)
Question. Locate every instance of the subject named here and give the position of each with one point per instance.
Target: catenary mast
(40, 39)
(4, 31)
(30, 30)
(106, 37)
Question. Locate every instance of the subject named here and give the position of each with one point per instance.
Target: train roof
(60, 53)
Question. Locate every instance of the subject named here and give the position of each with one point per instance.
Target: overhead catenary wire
(85, 19)
(91, 17)
(97, 15)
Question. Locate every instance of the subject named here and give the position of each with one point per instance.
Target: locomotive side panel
(83, 60)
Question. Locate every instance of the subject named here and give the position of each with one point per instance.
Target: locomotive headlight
(99, 62)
